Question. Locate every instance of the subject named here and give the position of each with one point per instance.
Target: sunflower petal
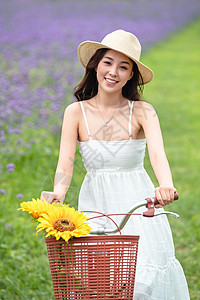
(47, 215)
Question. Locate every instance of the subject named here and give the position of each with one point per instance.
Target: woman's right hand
(51, 197)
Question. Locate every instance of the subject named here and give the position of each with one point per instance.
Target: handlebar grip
(175, 198)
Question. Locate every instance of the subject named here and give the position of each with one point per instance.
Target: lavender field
(38, 57)
(38, 71)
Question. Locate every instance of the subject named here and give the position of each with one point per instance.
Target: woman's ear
(131, 75)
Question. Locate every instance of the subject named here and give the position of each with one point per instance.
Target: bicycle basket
(94, 267)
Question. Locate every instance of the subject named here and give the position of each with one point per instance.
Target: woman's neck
(109, 100)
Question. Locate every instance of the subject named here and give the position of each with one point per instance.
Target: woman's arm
(65, 164)
(149, 121)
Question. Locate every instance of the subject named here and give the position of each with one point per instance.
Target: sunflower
(63, 222)
(36, 207)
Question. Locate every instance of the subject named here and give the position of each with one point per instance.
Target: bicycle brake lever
(151, 210)
(166, 213)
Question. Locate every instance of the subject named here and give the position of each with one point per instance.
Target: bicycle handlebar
(148, 202)
(175, 198)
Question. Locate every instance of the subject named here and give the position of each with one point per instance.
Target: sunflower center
(63, 225)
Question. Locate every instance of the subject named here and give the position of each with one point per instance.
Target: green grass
(175, 93)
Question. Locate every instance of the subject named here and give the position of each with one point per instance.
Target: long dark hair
(88, 87)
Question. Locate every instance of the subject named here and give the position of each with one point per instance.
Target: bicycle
(102, 266)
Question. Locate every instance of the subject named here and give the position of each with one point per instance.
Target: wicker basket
(94, 267)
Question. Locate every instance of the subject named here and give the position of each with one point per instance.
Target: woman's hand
(165, 195)
(51, 197)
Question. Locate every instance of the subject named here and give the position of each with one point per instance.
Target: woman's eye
(124, 68)
(107, 62)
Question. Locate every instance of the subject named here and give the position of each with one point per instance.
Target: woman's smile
(111, 81)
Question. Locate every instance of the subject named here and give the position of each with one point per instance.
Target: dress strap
(85, 119)
(130, 119)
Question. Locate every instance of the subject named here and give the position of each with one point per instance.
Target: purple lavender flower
(2, 191)
(10, 167)
(14, 130)
(20, 196)
(19, 140)
(2, 139)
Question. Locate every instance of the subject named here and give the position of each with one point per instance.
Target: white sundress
(115, 180)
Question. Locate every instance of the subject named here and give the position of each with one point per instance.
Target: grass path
(175, 93)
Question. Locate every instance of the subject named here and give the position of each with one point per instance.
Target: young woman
(113, 125)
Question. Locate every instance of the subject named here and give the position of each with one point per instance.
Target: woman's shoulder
(143, 104)
(143, 108)
(73, 108)
(144, 112)
(72, 113)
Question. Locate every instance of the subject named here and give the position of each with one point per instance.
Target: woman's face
(113, 71)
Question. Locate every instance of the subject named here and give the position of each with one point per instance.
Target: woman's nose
(113, 71)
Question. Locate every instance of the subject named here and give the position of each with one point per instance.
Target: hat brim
(88, 48)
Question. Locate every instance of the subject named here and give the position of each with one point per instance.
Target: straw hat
(121, 41)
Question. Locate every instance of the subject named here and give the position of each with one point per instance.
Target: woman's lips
(111, 81)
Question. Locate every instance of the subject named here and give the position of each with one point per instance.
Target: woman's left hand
(165, 195)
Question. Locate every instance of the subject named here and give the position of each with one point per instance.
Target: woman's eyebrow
(122, 62)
